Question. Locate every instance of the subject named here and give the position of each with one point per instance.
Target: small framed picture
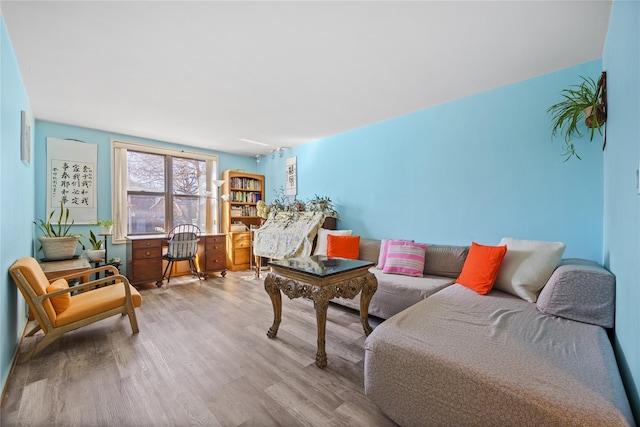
(25, 139)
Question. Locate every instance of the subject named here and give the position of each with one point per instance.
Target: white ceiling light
(253, 142)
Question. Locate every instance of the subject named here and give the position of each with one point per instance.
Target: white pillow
(321, 244)
(527, 266)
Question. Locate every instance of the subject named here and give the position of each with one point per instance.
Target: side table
(321, 279)
(55, 269)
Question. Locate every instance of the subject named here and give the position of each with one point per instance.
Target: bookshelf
(241, 191)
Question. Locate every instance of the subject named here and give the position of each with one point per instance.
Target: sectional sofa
(446, 355)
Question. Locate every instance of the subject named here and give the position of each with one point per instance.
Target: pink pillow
(405, 258)
(384, 246)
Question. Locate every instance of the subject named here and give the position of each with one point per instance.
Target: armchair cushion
(96, 301)
(60, 302)
(38, 280)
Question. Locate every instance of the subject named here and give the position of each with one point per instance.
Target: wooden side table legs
(321, 304)
(321, 295)
(369, 287)
(272, 289)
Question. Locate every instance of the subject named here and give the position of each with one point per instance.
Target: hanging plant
(586, 101)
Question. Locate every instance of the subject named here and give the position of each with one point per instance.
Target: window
(156, 189)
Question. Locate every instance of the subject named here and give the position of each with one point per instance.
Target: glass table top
(320, 266)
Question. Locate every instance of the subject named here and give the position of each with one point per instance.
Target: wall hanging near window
(291, 188)
(71, 178)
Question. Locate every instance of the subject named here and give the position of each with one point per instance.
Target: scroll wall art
(71, 178)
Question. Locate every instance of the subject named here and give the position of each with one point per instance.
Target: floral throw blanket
(287, 235)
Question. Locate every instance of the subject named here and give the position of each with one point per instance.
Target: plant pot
(58, 248)
(95, 255)
(107, 229)
(601, 116)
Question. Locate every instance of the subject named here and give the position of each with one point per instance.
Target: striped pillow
(382, 258)
(405, 258)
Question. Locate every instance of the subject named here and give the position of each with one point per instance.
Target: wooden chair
(182, 246)
(56, 311)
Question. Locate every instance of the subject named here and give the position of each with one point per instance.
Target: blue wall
(16, 199)
(44, 130)
(476, 169)
(621, 60)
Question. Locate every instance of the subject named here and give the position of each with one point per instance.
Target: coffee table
(320, 278)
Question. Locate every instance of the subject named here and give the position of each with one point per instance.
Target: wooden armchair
(57, 311)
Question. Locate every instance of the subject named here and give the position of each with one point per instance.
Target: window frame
(119, 192)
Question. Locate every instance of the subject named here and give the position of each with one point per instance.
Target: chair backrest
(183, 241)
(32, 282)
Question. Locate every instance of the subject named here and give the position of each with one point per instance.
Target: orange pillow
(343, 246)
(60, 302)
(481, 267)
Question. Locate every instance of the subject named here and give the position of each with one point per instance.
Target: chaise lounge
(458, 357)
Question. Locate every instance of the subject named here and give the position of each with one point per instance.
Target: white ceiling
(207, 74)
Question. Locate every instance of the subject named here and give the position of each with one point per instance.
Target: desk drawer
(147, 270)
(216, 262)
(220, 239)
(241, 256)
(147, 244)
(241, 240)
(145, 253)
(215, 248)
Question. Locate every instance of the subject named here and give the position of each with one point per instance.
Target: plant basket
(58, 248)
(600, 115)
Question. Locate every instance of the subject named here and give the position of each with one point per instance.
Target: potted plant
(586, 101)
(322, 204)
(291, 208)
(96, 253)
(57, 242)
(107, 225)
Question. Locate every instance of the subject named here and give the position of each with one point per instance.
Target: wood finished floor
(202, 357)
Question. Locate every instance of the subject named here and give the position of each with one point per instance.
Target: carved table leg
(321, 303)
(369, 287)
(276, 300)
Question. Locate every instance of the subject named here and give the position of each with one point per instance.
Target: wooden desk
(144, 257)
(55, 269)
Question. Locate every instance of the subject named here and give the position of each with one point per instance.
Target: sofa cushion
(580, 290)
(321, 241)
(527, 266)
(458, 359)
(397, 292)
(343, 246)
(369, 250)
(405, 258)
(481, 267)
(444, 260)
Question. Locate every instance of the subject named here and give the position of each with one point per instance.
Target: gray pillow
(580, 290)
(369, 250)
(444, 260)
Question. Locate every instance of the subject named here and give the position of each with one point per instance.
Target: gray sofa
(449, 356)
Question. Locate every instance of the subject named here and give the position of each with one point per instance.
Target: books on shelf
(245, 183)
(245, 196)
(239, 210)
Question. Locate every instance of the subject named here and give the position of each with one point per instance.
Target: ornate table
(321, 279)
